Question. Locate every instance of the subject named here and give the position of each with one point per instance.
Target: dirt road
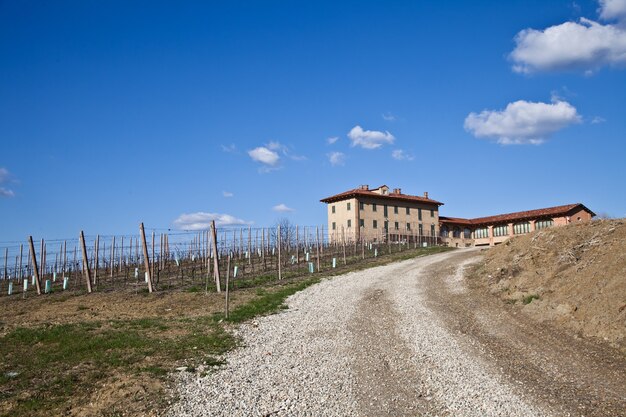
(412, 338)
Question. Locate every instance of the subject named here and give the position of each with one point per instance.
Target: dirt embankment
(573, 276)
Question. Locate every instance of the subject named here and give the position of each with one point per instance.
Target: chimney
(365, 187)
(397, 191)
(425, 194)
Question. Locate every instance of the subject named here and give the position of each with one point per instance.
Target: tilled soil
(410, 338)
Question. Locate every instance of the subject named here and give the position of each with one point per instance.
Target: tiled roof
(358, 192)
(520, 215)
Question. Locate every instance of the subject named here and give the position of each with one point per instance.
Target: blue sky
(113, 113)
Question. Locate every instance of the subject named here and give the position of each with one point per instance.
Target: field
(112, 352)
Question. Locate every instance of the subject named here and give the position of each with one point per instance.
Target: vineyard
(159, 260)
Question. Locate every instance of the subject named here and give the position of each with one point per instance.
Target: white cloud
(227, 194)
(597, 119)
(522, 122)
(264, 156)
(336, 158)
(612, 9)
(202, 221)
(585, 45)
(282, 208)
(5, 177)
(369, 139)
(401, 155)
(389, 117)
(285, 150)
(332, 140)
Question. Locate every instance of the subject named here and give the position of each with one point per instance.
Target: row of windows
(500, 230)
(395, 209)
(386, 225)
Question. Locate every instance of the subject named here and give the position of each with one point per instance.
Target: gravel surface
(369, 343)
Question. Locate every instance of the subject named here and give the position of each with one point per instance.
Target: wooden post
(297, 246)
(20, 276)
(279, 245)
(6, 258)
(152, 274)
(249, 245)
(146, 259)
(33, 257)
(121, 255)
(96, 261)
(85, 262)
(227, 286)
(317, 241)
(112, 257)
(216, 263)
(343, 241)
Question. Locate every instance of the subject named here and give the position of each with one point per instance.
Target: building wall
(368, 215)
(575, 216)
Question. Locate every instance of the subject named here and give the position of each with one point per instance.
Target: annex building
(382, 215)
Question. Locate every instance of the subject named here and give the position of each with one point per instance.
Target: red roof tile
(357, 192)
(520, 215)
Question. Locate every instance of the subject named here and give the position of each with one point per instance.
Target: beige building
(492, 230)
(381, 215)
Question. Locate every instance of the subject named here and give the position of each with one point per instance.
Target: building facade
(381, 215)
(492, 230)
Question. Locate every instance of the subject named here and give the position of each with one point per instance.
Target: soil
(572, 276)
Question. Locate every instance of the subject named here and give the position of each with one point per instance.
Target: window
(542, 224)
(386, 225)
(361, 223)
(332, 209)
(408, 211)
(385, 213)
(521, 228)
(349, 223)
(361, 206)
(432, 230)
(432, 213)
(408, 226)
(334, 226)
(444, 231)
(456, 232)
(375, 224)
(420, 230)
(502, 230)
(481, 233)
(467, 233)
(348, 206)
(373, 207)
(395, 209)
(396, 225)
(419, 214)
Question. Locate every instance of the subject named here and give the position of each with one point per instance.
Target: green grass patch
(529, 298)
(56, 362)
(267, 302)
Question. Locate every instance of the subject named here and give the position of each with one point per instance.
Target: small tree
(287, 233)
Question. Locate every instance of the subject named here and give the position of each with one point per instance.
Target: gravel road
(406, 339)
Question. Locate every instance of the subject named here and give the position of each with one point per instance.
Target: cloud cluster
(336, 158)
(265, 156)
(4, 178)
(584, 45)
(227, 194)
(282, 208)
(202, 221)
(332, 140)
(401, 155)
(522, 122)
(369, 139)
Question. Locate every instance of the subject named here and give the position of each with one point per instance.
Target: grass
(63, 364)
(529, 298)
(55, 363)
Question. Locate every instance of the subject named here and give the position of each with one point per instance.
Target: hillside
(574, 276)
